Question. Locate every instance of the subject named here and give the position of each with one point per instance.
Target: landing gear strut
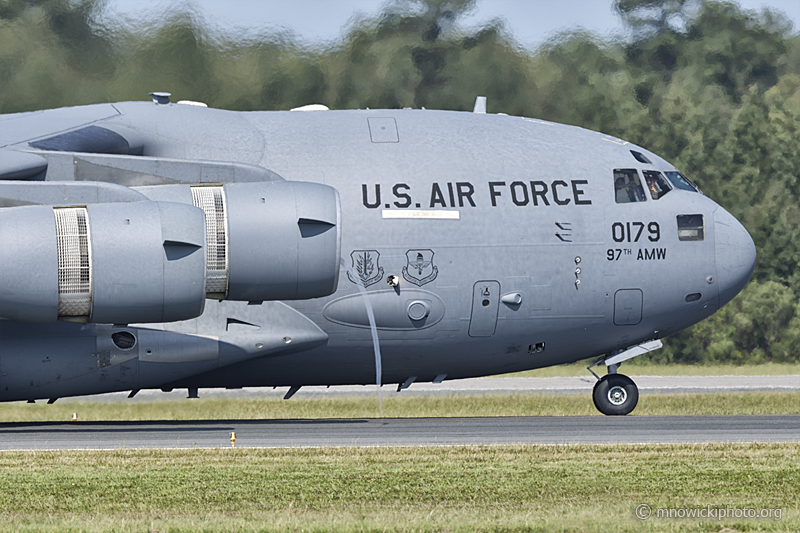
(615, 394)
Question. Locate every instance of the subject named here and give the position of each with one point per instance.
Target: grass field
(520, 488)
(587, 488)
(408, 406)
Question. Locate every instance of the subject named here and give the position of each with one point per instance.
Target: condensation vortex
(373, 328)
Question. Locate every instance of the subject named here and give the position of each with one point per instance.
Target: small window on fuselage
(640, 157)
(656, 183)
(691, 228)
(627, 186)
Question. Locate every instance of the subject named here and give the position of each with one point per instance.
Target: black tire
(615, 394)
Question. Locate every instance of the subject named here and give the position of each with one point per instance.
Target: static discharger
(74, 417)
(233, 439)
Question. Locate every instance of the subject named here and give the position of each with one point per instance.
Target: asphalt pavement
(400, 432)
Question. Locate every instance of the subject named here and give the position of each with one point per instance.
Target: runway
(480, 386)
(400, 432)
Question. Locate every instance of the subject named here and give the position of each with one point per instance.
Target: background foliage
(711, 87)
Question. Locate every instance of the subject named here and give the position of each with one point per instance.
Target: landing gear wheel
(615, 394)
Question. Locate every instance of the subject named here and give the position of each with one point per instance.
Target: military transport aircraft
(159, 245)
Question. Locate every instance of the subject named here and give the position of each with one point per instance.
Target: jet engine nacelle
(158, 261)
(275, 240)
(105, 263)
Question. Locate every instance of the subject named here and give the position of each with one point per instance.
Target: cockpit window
(681, 182)
(657, 183)
(627, 187)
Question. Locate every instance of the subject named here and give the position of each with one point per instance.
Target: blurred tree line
(711, 87)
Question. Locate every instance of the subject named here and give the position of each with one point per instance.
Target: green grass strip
(588, 488)
(404, 406)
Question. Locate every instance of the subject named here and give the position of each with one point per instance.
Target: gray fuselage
(508, 241)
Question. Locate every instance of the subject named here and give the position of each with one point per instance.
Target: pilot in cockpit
(623, 192)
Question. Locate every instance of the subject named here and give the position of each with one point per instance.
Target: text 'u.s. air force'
(466, 194)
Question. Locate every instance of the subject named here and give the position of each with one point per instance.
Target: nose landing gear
(615, 394)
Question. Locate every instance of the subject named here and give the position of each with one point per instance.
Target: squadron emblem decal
(365, 264)
(420, 268)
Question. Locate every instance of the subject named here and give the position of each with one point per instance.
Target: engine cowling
(277, 240)
(104, 263)
(158, 261)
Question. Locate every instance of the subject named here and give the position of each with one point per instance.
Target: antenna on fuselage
(160, 98)
(480, 105)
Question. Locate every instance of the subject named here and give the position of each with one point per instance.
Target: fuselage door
(485, 300)
(627, 307)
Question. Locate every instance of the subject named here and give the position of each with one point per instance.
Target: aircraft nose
(735, 255)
